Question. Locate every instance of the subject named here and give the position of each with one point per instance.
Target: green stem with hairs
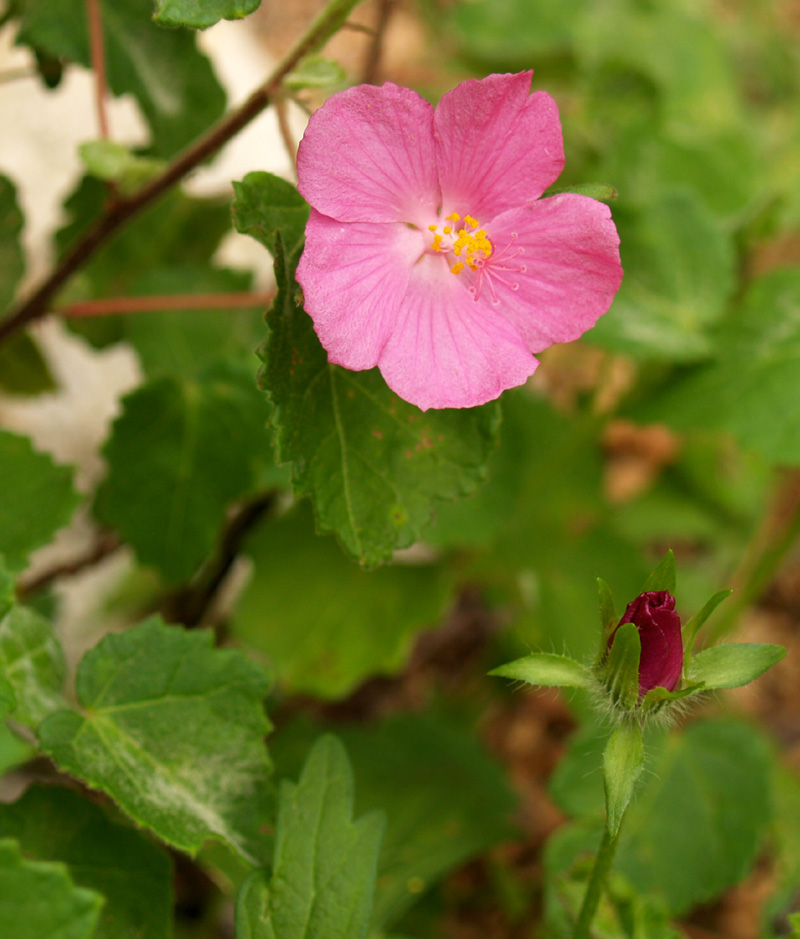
(596, 885)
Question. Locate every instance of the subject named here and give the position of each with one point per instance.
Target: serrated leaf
(40, 900)
(12, 259)
(315, 72)
(733, 664)
(32, 663)
(38, 498)
(680, 266)
(266, 204)
(663, 575)
(621, 668)
(313, 613)
(752, 389)
(547, 670)
(171, 80)
(373, 464)
(323, 872)
(134, 876)
(697, 822)
(445, 800)
(200, 14)
(623, 762)
(170, 481)
(173, 730)
(697, 826)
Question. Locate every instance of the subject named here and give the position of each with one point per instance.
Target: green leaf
(314, 614)
(323, 872)
(173, 730)
(445, 800)
(38, 498)
(680, 275)
(700, 812)
(32, 662)
(134, 876)
(112, 161)
(697, 826)
(608, 612)
(621, 668)
(41, 901)
(12, 259)
(23, 370)
(170, 79)
(752, 389)
(266, 204)
(623, 762)
(170, 482)
(13, 751)
(734, 664)
(315, 72)
(548, 670)
(373, 464)
(602, 192)
(199, 14)
(695, 624)
(663, 576)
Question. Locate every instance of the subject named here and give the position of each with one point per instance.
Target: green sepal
(315, 71)
(691, 629)
(734, 664)
(621, 668)
(608, 616)
(602, 192)
(658, 696)
(623, 762)
(548, 670)
(662, 576)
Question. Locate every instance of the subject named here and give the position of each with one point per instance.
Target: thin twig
(190, 604)
(109, 306)
(122, 210)
(372, 62)
(107, 543)
(281, 111)
(98, 58)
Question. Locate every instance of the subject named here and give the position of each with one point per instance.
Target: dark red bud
(659, 628)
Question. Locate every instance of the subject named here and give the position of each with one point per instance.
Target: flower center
(469, 243)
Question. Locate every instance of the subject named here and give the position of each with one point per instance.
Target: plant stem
(111, 306)
(123, 209)
(596, 885)
(95, 18)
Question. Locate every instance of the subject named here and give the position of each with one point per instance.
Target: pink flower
(427, 252)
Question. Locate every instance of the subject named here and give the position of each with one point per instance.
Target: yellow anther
(457, 268)
(432, 227)
(447, 229)
(471, 221)
(437, 242)
(454, 217)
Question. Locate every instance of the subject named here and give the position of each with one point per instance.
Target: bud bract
(659, 626)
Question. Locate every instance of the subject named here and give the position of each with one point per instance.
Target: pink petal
(354, 276)
(447, 351)
(368, 156)
(570, 251)
(497, 146)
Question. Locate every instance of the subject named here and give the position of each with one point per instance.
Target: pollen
(454, 217)
(432, 227)
(457, 268)
(469, 243)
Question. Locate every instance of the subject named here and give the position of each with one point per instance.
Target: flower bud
(661, 662)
